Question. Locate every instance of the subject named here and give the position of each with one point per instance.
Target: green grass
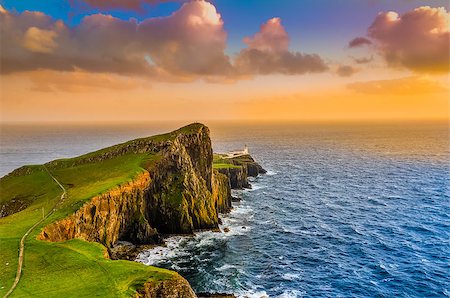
(225, 166)
(77, 268)
(73, 268)
(219, 162)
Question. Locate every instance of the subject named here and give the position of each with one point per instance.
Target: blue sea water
(344, 211)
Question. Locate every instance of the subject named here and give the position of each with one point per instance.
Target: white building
(236, 153)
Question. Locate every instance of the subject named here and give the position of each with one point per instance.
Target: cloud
(268, 52)
(362, 60)
(190, 42)
(346, 70)
(417, 40)
(403, 86)
(124, 4)
(187, 45)
(38, 40)
(359, 42)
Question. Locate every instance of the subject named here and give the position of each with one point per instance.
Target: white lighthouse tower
(245, 150)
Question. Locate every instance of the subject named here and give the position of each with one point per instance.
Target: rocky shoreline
(237, 177)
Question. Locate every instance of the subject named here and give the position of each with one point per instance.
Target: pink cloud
(190, 42)
(417, 40)
(186, 45)
(268, 52)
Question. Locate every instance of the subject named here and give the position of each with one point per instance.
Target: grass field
(73, 268)
(219, 162)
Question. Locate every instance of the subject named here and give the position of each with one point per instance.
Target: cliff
(178, 194)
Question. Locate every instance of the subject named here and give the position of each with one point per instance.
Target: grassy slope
(73, 268)
(222, 163)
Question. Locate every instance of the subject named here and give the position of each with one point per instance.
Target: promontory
(60, 221)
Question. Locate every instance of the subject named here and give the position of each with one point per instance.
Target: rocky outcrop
(180, 197)
(243, 167)
(238, 177)
(253, 169)
(176, 287)
(13, 206)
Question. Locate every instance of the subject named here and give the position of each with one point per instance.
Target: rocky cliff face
(238, 177)
(180, 194)
(117, 214)
(221, 192)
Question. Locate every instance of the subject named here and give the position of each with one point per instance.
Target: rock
(176, 287)
(226, 230)
(253, 168)
(12, 206)
(123, 250)
(236, 199)
(246, 167)
(237, 177)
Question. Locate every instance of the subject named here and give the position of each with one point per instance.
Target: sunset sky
(122, 60)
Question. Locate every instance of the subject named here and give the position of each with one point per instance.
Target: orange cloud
(417, 40)
(38, 40)
(267, 52)
(403, 86)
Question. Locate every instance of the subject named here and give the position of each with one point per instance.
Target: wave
(291, 294)
(234, 223)
(291, 276)
(255, 186)
(252, 294)
(271, 173)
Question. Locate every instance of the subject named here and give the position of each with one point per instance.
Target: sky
(145, 60)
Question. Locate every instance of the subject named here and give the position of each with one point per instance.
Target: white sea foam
(271, 173)
(290, 294)
(175, 246)
(226, 267)
(291, 276)
(253, 294)
(158, 254)
(255, 186)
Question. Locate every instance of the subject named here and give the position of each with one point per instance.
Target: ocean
(345, 210)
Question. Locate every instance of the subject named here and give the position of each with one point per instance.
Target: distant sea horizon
(24, 133)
